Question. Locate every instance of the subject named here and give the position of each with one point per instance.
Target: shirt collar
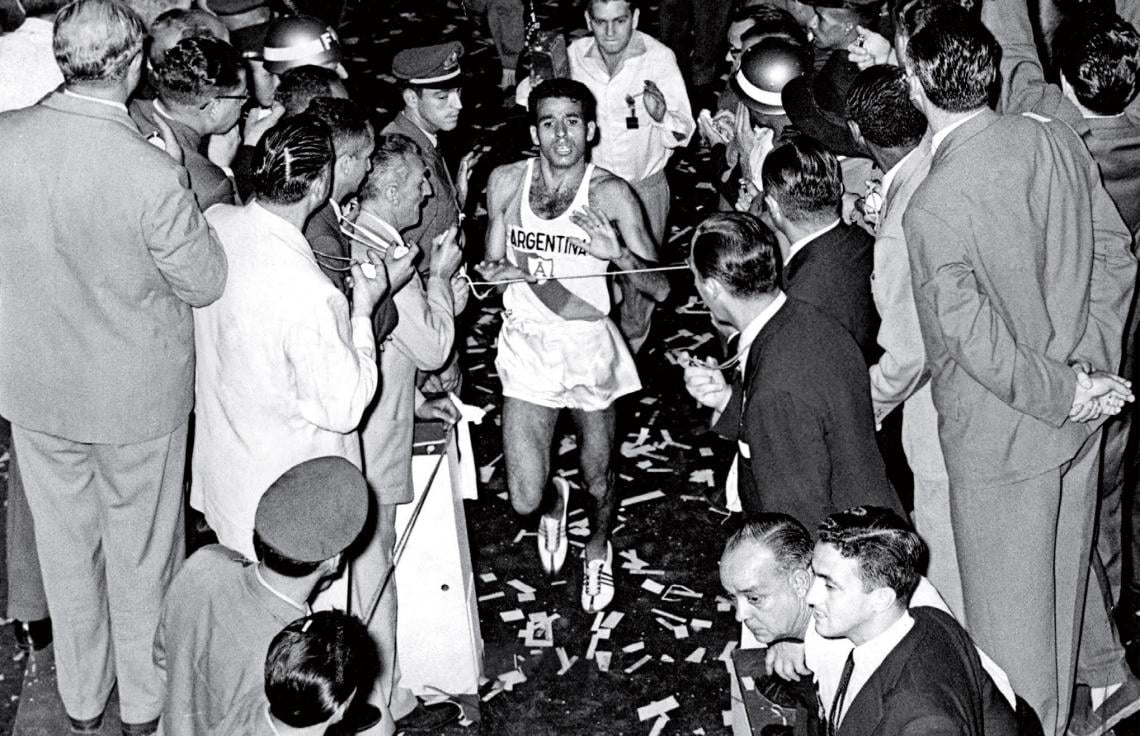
(269, 720)
(384, 227)
(635, 47)
(937, 138)
(797, 246)
(108, 103)
(752, 330)
(870, 654)
(302, 607)
(889, 177)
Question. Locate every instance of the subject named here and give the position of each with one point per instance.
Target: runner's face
(562, 131)
(612, 22)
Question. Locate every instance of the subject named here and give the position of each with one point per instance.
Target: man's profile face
(414, 189)
(264, 82)
(612, 22)
(770, 602)
(227, 112)
(840, 603)
(439, 108)
(356, 163)
(736, 33)
(562, 132)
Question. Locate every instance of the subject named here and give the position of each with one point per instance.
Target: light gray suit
(1021, 264)
(104, 253)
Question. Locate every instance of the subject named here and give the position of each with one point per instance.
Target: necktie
(840, 695)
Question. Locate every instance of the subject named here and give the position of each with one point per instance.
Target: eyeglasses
(206, 104)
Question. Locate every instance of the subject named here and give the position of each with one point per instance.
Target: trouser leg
(932, 522)
(144, 545)
(1006, 541)
(26, 598)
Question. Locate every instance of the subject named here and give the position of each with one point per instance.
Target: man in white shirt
(912, 670)
(285, 366)
(643, 116)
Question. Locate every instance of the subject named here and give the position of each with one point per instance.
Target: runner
(552, 222)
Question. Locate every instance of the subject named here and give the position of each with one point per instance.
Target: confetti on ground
(658, 726)
(727, 653)
(603, 659)
(512, 615)
(657, 708)
(637, 646)
(697, 656)
(651, 496)
(653, 586)
(492, 596)
(638, 664)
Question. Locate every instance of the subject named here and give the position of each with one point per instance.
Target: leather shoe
(140, 729)
(426, 718)
(87, 725)
(32, 635)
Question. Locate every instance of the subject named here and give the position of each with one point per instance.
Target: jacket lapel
(866, 710)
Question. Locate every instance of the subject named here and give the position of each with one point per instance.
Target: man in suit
(390, 204)
(1096, 56)
(105, 252)
(766, 571)
(353, 144)
(803, 422)
(1023, 277)
(885, 123)
(912, 670)
(200, 90)
(827, 263)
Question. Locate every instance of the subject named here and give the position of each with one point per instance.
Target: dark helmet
(764, 70)
(300, 40)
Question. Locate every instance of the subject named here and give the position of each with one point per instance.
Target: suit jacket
(900, 369)
(104, 253)
(1114, 142)
(209, 183)
(1021, 264)
(833, 274)
(441, 210)
(422, 341)
(931, 684)
(217, 622)
(804, 412)
(323, 233)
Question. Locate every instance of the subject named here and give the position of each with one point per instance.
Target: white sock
(1101, 694)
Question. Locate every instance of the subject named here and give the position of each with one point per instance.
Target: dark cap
(817, 104)
(250, 41)
(314, 510)
(430, 66)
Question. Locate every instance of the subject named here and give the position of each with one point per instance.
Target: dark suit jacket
(209, 183)
(441, 209)
(833, 274)
(1020, 264)
(806, 418)
(324, 236)
(931, 684)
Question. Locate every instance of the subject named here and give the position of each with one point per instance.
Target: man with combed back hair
(200, 91)
(285, 366)
(805, 437)
(913, 670)
(1023, 276)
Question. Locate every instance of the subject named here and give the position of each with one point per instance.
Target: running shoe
(598, 582)
(552, 540)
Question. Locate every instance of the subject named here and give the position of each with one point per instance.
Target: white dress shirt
(937, 138)
(27, 65)
(641, 152)
(283, 374)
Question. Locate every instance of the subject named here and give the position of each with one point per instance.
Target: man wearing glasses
(200, 89)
